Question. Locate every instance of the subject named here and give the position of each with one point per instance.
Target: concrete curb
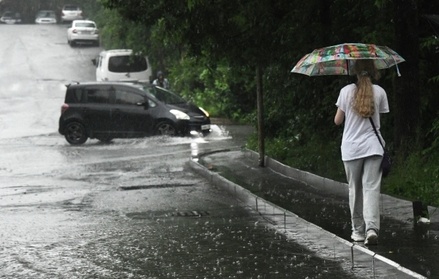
(363, 261)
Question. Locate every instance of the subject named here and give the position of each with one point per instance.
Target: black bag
(386, 163)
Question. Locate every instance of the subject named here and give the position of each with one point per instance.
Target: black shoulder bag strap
(376, 132)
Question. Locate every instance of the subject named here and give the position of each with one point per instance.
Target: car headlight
(179, 114)
(205, 112)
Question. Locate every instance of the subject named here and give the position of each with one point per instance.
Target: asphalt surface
(314, 211)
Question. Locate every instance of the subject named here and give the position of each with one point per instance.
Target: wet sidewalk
(314, 211)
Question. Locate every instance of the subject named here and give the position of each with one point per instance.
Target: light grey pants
(364, 179)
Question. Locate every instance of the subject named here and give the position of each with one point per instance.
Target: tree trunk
(406, 95)
(260, 108)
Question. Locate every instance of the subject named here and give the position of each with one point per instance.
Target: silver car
(46, 17)
(83, 31)
(71, 12)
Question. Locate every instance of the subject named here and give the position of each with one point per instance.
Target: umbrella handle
(397, 68)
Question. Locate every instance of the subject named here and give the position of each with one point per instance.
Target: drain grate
(153, 186)
(194, 213)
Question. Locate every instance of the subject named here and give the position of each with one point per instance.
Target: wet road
(130, 209)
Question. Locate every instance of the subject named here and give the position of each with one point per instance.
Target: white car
(122, 65)
(71, 12)
(46, 17)
(83, 31)
(10, 17)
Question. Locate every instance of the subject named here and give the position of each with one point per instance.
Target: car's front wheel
(75, 133)
(165, 128)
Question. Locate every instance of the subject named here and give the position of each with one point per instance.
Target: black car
(108, 110)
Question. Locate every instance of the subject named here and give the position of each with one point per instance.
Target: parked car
(108, 110)
(70, 12)
(122, 65)
(83, 31)
(46, 17)
(9, 17)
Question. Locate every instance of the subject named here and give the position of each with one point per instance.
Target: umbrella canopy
(339, 59)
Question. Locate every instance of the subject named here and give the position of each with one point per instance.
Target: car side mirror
(94, 61)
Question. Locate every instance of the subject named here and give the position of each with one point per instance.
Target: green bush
(319, 157)
(417, 178)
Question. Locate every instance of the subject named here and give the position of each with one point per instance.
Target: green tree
(407, 101)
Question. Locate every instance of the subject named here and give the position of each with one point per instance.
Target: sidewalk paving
(314, 211)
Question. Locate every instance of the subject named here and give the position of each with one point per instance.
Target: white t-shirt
(359, 139)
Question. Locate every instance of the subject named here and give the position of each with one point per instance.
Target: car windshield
(163, 95)
(46, 14)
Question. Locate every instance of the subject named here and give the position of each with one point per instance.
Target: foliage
(416, 178)
(318, 157)
(213, 86)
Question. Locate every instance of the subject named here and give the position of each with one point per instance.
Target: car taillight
(74, 31)
(64, 107)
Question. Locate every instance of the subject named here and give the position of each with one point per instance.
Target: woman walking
(361, 151)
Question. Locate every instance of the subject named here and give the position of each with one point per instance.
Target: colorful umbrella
(339, 59)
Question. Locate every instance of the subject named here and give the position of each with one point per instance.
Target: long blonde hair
(363, 102)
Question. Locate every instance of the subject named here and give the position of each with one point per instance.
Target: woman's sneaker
(357, 236)
(371, 238)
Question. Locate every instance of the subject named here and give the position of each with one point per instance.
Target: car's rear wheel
(165, 128)
(75, 133)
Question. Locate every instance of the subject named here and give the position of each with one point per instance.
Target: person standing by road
(161, 80)
(360, 149)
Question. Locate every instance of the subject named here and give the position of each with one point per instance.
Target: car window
(98, 95)
(126, 63)
(85, 24)
(71, 8)
(127, 97)
(74, 95)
